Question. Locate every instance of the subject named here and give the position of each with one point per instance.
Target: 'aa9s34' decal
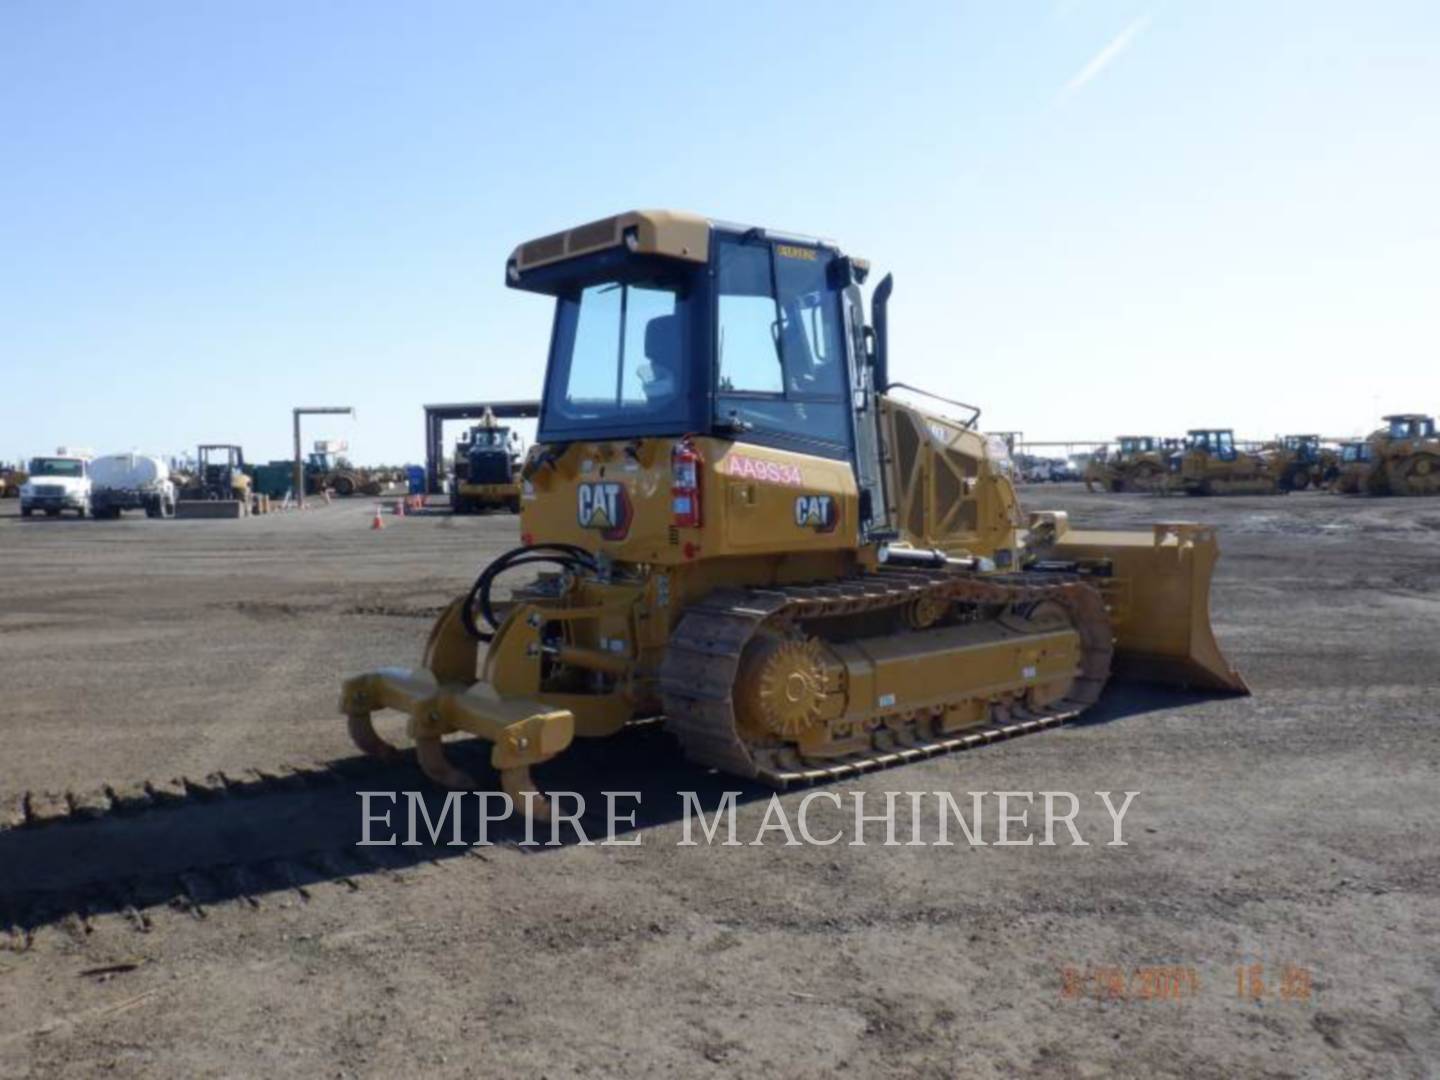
(604, 505)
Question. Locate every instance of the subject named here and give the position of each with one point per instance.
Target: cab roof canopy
(675, 234)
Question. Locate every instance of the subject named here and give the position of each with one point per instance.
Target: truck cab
(58, 482)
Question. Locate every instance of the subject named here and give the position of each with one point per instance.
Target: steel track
(702, 663)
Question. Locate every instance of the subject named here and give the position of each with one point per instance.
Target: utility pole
(297, 481)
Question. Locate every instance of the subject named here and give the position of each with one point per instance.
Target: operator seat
(662, 349)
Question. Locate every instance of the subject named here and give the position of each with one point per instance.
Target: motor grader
(1138, 463)
(751, 531)
(1211, 464)
(1407, 456)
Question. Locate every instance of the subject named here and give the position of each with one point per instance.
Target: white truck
(120, 482)
(60, 482)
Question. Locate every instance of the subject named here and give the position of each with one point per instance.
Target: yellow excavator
(750, 530)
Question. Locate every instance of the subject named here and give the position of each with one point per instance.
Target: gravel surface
(1283, 843)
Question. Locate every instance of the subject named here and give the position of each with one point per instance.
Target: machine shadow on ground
(244, 841)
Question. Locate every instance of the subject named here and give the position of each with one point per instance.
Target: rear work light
(685, 485)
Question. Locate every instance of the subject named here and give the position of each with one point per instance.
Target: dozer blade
(1158, 593)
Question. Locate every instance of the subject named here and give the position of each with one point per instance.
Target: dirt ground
(1284, 843)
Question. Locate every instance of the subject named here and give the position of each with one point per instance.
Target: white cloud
(1105, 57)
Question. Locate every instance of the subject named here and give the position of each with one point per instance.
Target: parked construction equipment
(12, 478)
(220, 488)
(326, 470)
(486, 470)
(755, 537)
(1211, 464)
(1356, 468)
(1301, 461)
(1407, 456)
(1138, 463)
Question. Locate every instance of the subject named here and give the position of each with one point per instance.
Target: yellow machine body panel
(616, 498)
(944, 489)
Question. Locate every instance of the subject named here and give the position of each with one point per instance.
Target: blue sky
(1100, 216)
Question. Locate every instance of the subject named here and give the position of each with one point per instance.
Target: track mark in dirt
(273, 610)
(427, 611)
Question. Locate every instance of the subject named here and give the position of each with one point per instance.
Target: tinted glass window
(809, 330)
(779, 343)
(619, 355)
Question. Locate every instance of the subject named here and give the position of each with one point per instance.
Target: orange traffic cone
(399, 507)
(379, 522)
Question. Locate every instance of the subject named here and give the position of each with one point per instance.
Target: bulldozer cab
(1131, 445)
(1218, 443)
(1353, 453)
(1411, 426)
(691, 327)
(1304, 447)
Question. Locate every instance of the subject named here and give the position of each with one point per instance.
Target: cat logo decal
(817, 512)
(605, 506)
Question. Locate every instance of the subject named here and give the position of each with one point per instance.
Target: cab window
(779, 346)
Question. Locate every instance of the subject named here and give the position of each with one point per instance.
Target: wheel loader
(749, 530)
(1211, 464)
(486, 473)
(1300, 461)
(1138, 463)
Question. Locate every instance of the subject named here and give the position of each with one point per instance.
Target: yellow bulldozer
(1211, 464)
(749, 530)
(1355, 469)
(1407, 456)
(1137, 463)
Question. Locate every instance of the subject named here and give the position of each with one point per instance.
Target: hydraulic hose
(566, 556)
